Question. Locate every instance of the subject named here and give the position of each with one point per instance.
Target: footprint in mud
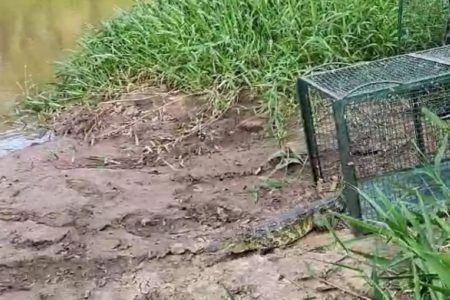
(88, 189)
(63, 218)
(40, 271)
(29, 234)
(212, 215)
(13, 215)
(145, 224)
(84, 187)
(190, 217)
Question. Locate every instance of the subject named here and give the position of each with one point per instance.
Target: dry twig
(346, 291)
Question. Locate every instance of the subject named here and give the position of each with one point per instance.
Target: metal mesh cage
(365, 122)
(439, 55)
(401, 186)
(389, 133)
(385, 73)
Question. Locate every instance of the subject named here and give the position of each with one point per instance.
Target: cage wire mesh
(388, 137)
(393, 141)
(325, 135)
(403, 185)
(390, 133)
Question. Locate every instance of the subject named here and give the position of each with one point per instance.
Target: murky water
(14, 140)
(34, 33)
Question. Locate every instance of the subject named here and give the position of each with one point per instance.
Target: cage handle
(354, 90)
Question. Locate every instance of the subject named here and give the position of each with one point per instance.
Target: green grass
(419, 236)
(222, 47)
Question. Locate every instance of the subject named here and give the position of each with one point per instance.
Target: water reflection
(34, 33)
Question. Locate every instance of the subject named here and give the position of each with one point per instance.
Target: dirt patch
(121, 204)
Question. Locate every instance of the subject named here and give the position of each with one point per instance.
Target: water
(33, 34)
(14, 140)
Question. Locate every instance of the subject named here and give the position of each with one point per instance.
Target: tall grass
(419, 266)
(221, 47)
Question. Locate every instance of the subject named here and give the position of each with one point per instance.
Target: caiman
(281, 231)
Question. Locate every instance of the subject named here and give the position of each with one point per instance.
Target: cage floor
(397, 185)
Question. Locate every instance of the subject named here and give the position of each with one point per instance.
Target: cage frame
(339, 104)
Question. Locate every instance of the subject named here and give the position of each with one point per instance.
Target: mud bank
(114, 209)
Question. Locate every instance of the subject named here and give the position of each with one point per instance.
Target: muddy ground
(119, 205)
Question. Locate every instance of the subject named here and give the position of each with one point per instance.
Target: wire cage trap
(364, 124)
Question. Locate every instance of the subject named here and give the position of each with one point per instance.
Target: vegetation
(419, 234)
(222, 47)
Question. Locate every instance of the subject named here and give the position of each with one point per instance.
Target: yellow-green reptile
(281, 231)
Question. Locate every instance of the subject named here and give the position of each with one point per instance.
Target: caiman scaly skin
(281, 231)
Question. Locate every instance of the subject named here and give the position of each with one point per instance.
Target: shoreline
(117, 218)
(14, 140)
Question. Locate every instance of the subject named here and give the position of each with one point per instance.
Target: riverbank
(256, 47)
(119, 207)
(122, 202)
